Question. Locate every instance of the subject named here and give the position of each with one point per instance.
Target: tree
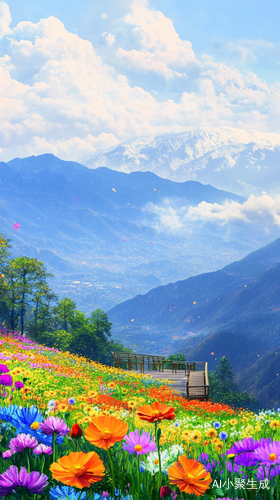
(91, 336)
(64, 313)
(4, 263)
(225, 376)
(174, 357)
(223, 389)
(25, 277)
(42, 297)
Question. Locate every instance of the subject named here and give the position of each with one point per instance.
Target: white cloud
(250, 52)
(58, 95)
(104, 15)
(162, 51)
(259, 211)
(5, 20)
(110, 39)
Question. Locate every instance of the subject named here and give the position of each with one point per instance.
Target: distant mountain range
(234, 312)
(242, 161)
(243, 297)
(97, 233)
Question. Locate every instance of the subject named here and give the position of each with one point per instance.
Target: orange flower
(157, 411)
(105, 431)
(190, 476)
(78, 469)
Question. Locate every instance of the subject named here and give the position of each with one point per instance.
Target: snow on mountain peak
(216, 155)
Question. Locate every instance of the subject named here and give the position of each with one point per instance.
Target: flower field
(73, 429)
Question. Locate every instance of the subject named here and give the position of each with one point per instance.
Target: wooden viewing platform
(191, 381)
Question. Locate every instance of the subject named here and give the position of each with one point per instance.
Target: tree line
(222, 386)
(28, 305)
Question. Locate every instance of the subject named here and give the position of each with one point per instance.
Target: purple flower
(54, 424)
(34, 482)
(246, 459)
(264, 441)
(247, 444)
(71, 401)
(4, 369)
(7, 454)
(236, 468)
(268, 454)
(8, 480)
(139, 444)
(23, 441)
(19, 385)
(6, 380)
(207, 462)
(42, 448)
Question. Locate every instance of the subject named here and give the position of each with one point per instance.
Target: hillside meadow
(78, 430)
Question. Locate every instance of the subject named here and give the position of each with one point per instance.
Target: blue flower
(60, 492)
(223, 435)
(217, 425)
(25, 417)
(142, 467)
(7, 413)
(71, 401)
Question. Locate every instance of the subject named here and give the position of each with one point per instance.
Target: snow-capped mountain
(242, 161)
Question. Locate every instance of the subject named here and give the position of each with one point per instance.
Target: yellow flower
(132, 404)
(86, 420)
(92, 394)
(211, 433)
(87, 409)
(196, 436)
(233, 421)
(274, 424)
(62, 407)
(186, 436)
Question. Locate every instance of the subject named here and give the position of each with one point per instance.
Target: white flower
(153, 464)
(175, 449)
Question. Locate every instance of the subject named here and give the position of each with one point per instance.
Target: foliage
(223, 388)
(174, 357)
(28, 303)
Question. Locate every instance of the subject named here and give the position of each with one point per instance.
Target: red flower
(76, 431)
(165, 491)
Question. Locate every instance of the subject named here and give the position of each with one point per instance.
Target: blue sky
(81, 76)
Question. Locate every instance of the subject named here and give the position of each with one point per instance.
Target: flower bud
(165, 491)
(76, 431)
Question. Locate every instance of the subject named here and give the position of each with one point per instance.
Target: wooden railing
(197, 382)
(131, 360)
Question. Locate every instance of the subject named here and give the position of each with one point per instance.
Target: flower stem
(54, 446)
(159, 458)
(112, 471)
(138, 472)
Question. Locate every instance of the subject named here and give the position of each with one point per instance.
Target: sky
(77, 77)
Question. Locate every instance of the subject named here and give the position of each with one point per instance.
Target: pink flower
(54, 424)
(139, 444)
(42, 448)
(23, 441)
